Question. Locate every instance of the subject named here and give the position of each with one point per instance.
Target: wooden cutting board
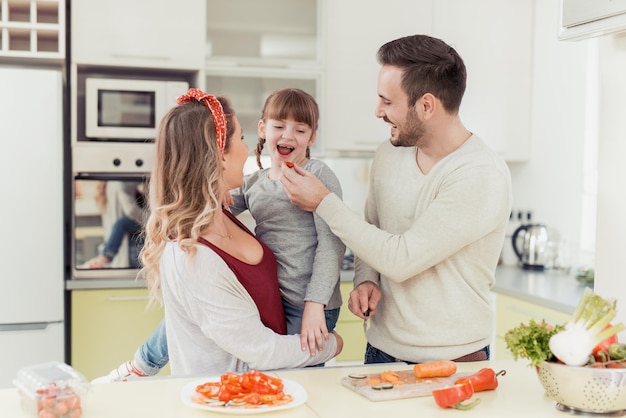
(412, 387)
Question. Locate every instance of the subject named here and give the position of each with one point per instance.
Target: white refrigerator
(31, 218)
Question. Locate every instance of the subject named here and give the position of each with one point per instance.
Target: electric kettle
(532, 245)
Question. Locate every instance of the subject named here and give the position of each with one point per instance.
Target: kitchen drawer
(510, 312)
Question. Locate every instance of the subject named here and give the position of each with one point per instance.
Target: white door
(31, 248)
(31, 189)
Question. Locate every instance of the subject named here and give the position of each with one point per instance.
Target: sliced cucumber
(357, 376)
(383, 386)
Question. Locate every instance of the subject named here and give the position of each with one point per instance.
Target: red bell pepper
(453, 396)
(604, 345)
(484, 379)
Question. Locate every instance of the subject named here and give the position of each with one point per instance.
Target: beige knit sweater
(432, 247)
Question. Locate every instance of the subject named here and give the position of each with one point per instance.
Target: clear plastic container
(51, 390)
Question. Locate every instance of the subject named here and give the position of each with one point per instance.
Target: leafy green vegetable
(530, 341)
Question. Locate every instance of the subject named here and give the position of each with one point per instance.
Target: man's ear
(427, 105)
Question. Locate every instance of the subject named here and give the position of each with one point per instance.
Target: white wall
(611, 226)
(551, 183)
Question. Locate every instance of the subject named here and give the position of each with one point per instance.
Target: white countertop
(551, 288)
(519, 394)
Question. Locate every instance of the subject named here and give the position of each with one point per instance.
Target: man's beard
(412, 132)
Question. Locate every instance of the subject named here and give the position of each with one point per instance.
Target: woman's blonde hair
(289, 103)
(186, 185)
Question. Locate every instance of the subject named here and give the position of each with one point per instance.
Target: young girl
(309, 256)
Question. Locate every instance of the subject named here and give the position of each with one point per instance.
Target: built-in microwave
(128, 109)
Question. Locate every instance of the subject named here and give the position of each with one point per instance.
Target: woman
(223, 309)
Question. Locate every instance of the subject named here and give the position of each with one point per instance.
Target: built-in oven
(115, 113)
(109, 210)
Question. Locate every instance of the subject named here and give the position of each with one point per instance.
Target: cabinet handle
(31, 326)
(127, 298)
(145, 57)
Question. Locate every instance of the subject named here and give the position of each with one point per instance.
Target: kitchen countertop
(552, 289)
(519, 394)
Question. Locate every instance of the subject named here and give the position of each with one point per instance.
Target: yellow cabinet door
(350, 328)
(107, 326)
(511, 312)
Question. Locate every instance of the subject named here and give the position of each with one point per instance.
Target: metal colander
(588, 389)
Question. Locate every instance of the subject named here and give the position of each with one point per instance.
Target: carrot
(391, 377)
(439, 368)
(289, 164)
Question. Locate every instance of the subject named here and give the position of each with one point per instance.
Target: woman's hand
(313, 332)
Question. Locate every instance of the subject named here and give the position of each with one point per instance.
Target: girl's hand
(313, 332)
(227, 200)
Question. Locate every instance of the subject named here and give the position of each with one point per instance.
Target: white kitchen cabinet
(108, 325)
(254, 48)
(497, 50)
(139, 33)
(493, 37)
(274, 33)
(582, 19)
(32, 29)
(352, 69)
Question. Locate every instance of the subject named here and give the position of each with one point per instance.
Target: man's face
(406, 127)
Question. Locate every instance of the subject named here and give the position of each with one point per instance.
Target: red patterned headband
(216, 109)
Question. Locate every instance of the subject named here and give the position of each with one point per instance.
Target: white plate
(291, 388)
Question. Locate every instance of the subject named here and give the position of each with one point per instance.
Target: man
(438, 204)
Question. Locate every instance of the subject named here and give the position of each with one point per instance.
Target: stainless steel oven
(109, 209)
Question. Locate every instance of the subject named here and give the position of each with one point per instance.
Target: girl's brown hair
(289, 103)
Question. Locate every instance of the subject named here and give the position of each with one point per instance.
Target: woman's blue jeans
(152, 355)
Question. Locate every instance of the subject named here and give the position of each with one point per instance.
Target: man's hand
(364, 298)
(303, 189)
